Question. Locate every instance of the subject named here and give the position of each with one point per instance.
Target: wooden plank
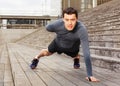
(31, 75)
(73, 79)
(19, 76)
(106, 75)
(53, 66)
(2, 67)
(8, 84)
(48, 79)
(63, 72)
(79, 73)
(1, 84)
(1, 73)
(8, 81)
(63, 81)
(102, 74)
(59, 69)
(71, 74)
(7, 70)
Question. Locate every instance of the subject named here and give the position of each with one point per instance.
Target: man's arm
(50, 27)
(86, 53)
(86, 50)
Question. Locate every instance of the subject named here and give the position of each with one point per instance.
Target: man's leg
(43, 52)
(76, 62)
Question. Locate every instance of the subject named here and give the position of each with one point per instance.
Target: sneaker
(34, 63)
(76, 63)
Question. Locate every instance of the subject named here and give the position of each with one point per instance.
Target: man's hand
(92, 79)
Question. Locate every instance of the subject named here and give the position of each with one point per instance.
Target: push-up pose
(70, 34)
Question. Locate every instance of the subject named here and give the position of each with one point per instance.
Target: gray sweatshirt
(69, 39)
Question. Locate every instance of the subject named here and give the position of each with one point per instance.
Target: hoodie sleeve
(86, 50)
(50, 27)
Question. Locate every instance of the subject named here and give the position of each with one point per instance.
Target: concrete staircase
(38, 39)
(103, 23)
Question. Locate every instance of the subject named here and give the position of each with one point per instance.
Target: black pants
(53, 47)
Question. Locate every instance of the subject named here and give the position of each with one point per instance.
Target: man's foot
(76, 63)
(34, 63)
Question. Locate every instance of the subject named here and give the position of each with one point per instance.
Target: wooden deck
(55, 70)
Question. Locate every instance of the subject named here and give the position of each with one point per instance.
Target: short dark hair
(70, 10)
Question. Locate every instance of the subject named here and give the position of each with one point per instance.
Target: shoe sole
(32, 66)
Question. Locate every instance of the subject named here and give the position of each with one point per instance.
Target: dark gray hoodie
(69, 39)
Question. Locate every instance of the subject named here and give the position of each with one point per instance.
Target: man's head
(70, 16)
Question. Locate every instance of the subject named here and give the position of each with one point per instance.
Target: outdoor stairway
(55, 70)
(103, 25)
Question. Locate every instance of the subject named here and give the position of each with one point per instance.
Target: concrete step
(110, 63)
(11, 35)
(105, 51)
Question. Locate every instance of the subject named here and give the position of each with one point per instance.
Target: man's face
(70, 21)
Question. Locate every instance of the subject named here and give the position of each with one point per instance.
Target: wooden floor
(55, 70)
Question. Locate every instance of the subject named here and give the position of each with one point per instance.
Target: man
(70, 34)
